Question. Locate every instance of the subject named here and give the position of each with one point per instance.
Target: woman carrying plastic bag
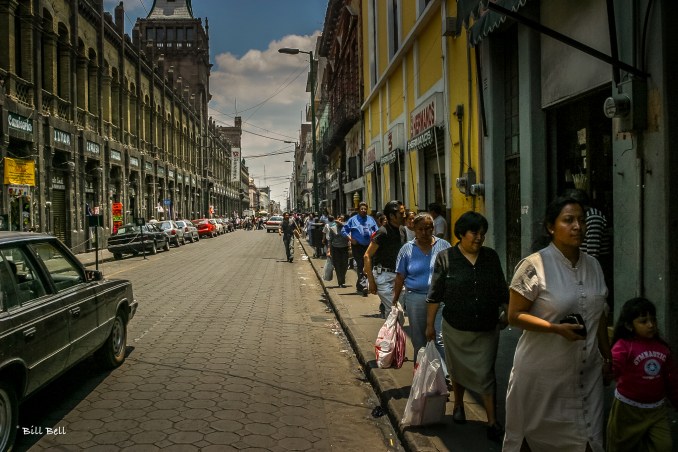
(428, 395)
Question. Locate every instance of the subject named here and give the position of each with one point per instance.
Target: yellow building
(420, 109)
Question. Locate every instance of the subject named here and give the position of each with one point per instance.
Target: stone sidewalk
(359, 317)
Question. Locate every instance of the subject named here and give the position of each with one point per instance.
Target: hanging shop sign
(133, 161)
(116, 211)
(116, 155)
(18, 122)
(421, 141)
(369, 167)
(235, 163)
(394, 138)
(58, 183)
(389, 158)
(371, 154)
(19, 172)
(426, 115)
(93, 148)
(62, 137)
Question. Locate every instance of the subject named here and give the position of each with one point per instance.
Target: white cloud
(269, 89)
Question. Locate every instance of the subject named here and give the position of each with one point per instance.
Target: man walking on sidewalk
(381, 255)
(359, 229)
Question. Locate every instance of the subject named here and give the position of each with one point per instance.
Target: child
(643, 367)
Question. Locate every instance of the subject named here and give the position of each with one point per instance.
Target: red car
(206, 227)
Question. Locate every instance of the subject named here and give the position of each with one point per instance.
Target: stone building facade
(108, 123)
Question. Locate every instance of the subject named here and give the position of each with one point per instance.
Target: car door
(67, 279)
(39, 318)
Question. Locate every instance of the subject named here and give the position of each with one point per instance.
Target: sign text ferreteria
(133, 161)
(62, 137)
(116, 155)
(421, 141)
(19, 122)
(93, 148)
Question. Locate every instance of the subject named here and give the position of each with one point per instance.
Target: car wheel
(8, 415)
(154, 249)
(118, 256)
(167, 245)
(112, 352)
(191, 239)
(197, 238)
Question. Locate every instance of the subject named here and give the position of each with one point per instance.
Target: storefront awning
(485, 18)
(481, 17)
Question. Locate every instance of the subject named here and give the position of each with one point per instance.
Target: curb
(382, 382)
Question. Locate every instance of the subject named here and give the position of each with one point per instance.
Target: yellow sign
(19, 172)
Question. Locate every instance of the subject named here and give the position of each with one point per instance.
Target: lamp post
(290, 51)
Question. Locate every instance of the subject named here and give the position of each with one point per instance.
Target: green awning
(478, 16)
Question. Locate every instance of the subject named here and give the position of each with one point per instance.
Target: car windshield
(276, 219)
(166, 225)
(127, 229)
(181, 224)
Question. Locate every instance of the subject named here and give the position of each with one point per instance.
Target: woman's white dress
(555, 392)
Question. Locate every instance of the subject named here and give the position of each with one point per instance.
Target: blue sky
(267, 88)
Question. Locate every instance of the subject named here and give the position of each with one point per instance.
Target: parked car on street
(219, 225)
(190, 231)
(206, 227)
(54, 313)
(133, 239)
(173, 231)
(273, 223)
(224, 224)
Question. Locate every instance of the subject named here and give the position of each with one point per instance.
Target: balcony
(344, 114)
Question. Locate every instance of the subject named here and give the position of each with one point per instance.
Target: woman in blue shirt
(414, 267)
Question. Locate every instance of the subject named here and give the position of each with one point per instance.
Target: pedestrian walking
(439, 223)
(380, 256)
(469, 279)
(409, 224)
(358, 229)
(338, 250)
(646, 375)
(414, 268)
(555, 392)
(288, 230)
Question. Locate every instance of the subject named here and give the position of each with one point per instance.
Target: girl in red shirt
(646, 376)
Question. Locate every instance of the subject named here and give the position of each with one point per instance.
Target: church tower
(172, 35)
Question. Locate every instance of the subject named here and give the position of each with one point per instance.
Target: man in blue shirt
(359, 229)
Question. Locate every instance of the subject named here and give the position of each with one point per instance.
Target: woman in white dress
(554, 400)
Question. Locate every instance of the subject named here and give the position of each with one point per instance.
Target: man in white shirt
(439, 223)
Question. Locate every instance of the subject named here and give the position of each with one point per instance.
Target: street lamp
(290, 51)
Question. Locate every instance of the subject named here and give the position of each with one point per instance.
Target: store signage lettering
(369, 167)
(170, 173)
(19, 171)
(389, 158)
(93, 148)
(235, 163)
(19, 122)
(421, 141)
(161, 171)
(116, 155)
(148, 166)
(425, 116)
(89, 186)
(58, 183)
(371, 154)
(62, 137)
(133, 161)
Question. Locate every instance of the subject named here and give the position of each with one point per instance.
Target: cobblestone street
(232, 348)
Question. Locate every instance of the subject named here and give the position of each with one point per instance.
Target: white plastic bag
(328, 270)
(428, 395)
(385, 345)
